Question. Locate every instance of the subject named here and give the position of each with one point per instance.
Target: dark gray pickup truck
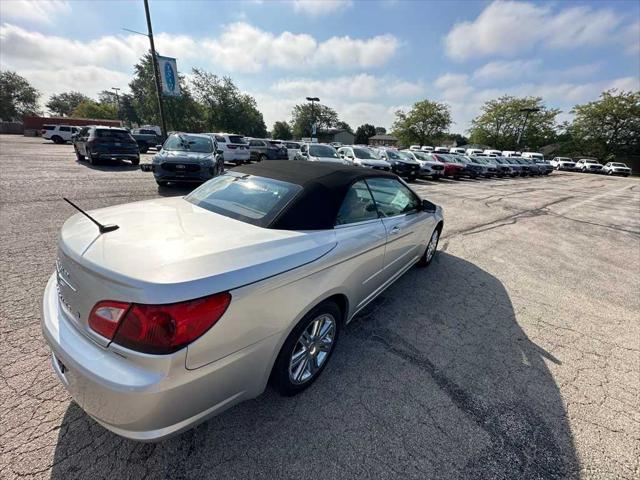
(147, 139)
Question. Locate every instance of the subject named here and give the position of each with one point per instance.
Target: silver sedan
(165, 312)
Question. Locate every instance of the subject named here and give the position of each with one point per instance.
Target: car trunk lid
(169, 250)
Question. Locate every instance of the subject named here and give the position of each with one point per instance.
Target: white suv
(589, 165)
(563, 163)
(234, 148)
(58, 133)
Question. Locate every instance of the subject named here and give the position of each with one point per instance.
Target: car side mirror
(428, 206)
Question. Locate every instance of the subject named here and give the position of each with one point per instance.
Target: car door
(362, 237)
(80, 141)
(408, 227)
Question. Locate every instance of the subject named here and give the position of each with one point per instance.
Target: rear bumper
(147, 397)
(235, 155)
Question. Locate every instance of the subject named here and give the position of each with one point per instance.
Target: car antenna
(102, 228)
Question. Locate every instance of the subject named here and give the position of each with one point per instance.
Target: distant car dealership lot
(515, 355)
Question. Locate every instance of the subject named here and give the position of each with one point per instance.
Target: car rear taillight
(167, 328)
(105, 317)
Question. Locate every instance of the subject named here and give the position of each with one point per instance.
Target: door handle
(394, 231)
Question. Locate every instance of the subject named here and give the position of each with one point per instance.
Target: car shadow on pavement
(435, 379)
(109, 166)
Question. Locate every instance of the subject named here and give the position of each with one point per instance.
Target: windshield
(322, 151)
(248, 198)
(564, 159)
(393, 155)
(422, 156)
(188, 143)
(363, 154)
(618, 165)
(111, 133)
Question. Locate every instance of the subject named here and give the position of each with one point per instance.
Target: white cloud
(501, 70)
(39, 12)
(28, 49)
(89, 80)
(245, 48)
(356, 86)
(626, 83)
(240, 47)
(508, 27)
(320, 7)
(278, 107)
(466, 98)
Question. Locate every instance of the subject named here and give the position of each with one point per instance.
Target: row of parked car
(589, 165)
(187, 157)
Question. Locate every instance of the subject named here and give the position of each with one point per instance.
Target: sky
(364, 59)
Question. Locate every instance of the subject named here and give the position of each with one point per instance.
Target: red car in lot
(452, 169)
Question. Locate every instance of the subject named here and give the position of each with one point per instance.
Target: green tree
(282, 131)
(226, 108)
(363, 132)
(128, 111)
(381, 131)
(17, 97)
(91, 109)
(63, 104)
(182, 113)
(302, 116)
(501, 121)
(607, 127)
(344, 126)
(423, 123)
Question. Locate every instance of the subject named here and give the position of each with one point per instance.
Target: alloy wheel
(433, 244)
(312, 349)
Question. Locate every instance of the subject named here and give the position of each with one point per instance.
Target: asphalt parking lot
(515, 355)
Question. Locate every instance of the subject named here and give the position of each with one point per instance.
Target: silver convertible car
(164, 312)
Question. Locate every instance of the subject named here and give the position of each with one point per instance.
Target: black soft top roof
(324, 186)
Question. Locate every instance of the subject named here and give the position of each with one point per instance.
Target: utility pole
(527, 111)
(313, 113)
(156, 73)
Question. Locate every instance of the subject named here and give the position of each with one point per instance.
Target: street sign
(169, 76)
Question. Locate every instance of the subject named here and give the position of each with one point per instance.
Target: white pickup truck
(58, 133)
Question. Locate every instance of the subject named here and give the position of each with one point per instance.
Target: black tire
(144, 149)
(162, 183)
(90, 158)
(280, 377)
(135, 161)
(57, 139)
(425, 259)
(435, 177)
(79, 157)
(412, 178)
(262, 158)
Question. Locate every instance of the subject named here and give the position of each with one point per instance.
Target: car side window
(357, 206)
(220, 139)
(65, 129)
(83, 133)
(255, 143)
(392, 197)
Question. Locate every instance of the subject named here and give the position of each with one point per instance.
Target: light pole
(313, 114)
(527, 111)
(154, 61)
(116, 89)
